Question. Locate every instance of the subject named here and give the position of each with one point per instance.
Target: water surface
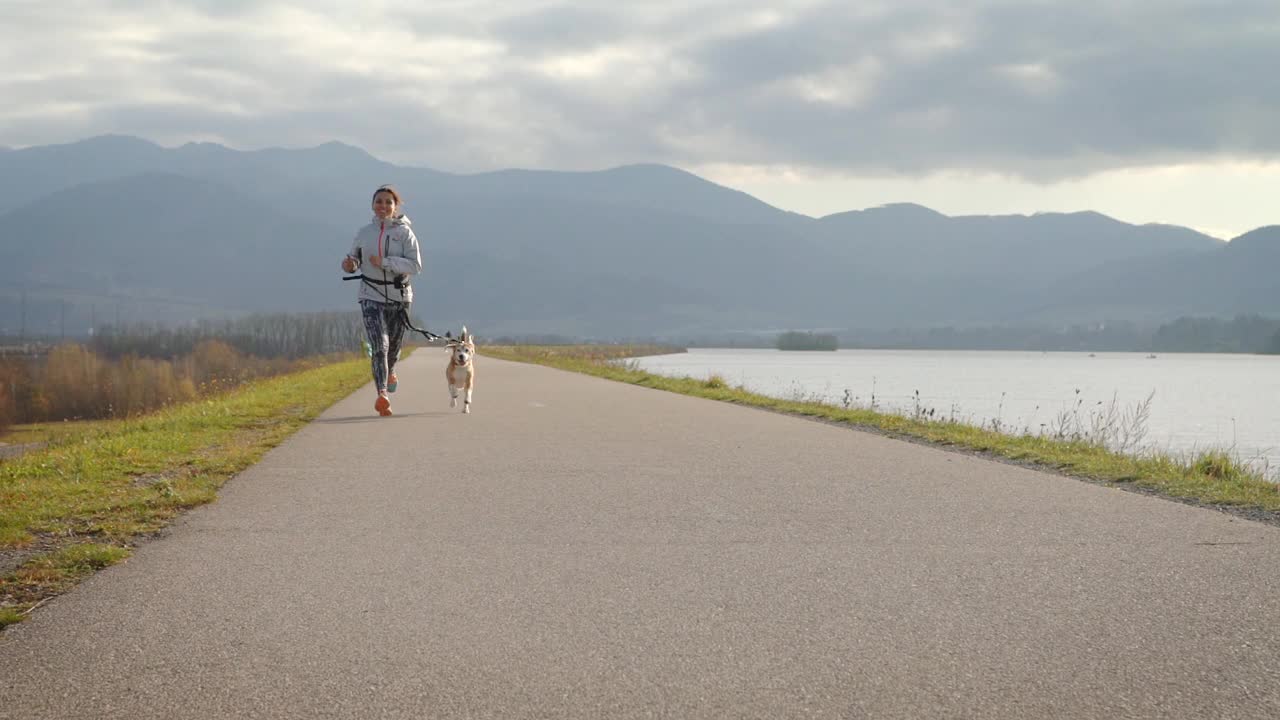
(1198, 401)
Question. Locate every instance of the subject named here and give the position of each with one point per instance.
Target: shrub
(1218, 464)
(9, 382)
(216, 362)
(74, 382)
(69, 380)
(806, 341)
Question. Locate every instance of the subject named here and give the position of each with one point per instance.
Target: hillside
(642, 250)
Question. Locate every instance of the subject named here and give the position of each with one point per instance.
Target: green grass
(52, 573)
(98, 487)
(36, 432)
(51, 432)
(1212, 477)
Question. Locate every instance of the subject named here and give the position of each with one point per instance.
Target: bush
(74, 383)
(69, 384)
(215, 362)
(1219, 465)
(10, 380)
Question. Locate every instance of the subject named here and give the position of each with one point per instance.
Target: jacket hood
(397, 220)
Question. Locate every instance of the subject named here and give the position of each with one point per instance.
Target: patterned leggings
(384, 324)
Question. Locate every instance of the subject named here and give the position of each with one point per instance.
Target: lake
(1198, 401)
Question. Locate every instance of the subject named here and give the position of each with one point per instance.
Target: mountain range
(116, 228)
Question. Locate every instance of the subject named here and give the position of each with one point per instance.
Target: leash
(398, 282)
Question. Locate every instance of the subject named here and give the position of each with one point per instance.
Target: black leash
(399, 284)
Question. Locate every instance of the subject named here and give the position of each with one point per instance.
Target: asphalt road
(587, 549)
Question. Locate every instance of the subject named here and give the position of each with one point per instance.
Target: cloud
(1039, 90)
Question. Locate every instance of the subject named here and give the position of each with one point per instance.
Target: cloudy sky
(1147, 110)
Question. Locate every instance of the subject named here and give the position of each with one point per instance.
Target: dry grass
(72, 382)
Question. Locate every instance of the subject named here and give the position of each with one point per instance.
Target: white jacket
(394, 240)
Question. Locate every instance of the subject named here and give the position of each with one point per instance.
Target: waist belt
(400, 282)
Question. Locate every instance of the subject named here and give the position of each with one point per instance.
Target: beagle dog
(461, 372)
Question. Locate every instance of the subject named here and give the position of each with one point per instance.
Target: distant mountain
(334, 170)
(35, 172)
(1234, 278)
(984, 269)
(1264, 240)
(173, 245)
(644, 250)
(649, 187)
(937, 245)
(157, 238)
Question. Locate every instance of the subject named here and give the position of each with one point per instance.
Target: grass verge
(1210, 478)
(83, 501)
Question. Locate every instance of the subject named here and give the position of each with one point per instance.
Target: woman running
(386, 253)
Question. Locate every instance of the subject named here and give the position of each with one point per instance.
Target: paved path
(10, 451)
(580, 548)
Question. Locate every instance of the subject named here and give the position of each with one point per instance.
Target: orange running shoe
(382, 405)
(391, 383)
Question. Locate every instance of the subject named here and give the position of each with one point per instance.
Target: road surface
(578, 548)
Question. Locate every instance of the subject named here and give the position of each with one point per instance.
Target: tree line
(798, 340)
(123, 371)
(292, 336)
(1241, 334)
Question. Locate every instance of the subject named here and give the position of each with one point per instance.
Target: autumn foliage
(72, 382)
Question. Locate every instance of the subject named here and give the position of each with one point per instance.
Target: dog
(461, 372)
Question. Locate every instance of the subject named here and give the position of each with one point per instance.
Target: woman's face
(384, 205)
